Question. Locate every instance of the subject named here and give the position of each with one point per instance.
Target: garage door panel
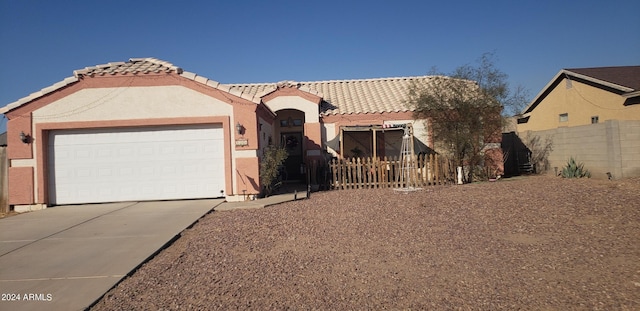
(109, 165)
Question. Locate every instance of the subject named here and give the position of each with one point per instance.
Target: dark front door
(293, 144)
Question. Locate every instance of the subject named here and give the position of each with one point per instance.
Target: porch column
(313, 140)
(375, 146)
(341, 143)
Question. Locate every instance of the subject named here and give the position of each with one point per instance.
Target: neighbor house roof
(627, 76)
(133, 66)
(350, 96)
(623, 80)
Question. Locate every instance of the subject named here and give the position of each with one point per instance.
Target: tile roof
(133, 66)
(626, 76)
(339, 96)
(351, 96)
(153, 65)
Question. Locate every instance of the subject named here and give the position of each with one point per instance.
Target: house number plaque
(242, 142)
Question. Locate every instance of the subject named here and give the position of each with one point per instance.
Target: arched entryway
(290, 129)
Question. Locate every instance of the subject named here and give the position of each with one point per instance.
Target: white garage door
(136, 164)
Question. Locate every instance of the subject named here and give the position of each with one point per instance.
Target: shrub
(271, 161)
(540, 151)
(575, 170)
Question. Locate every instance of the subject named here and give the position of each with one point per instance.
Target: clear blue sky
(42, 42)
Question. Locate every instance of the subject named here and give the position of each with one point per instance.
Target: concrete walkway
(261, 203)
(67, 257)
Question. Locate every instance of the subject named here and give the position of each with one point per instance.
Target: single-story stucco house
(589, 114)
(147, 130)
(584, 96)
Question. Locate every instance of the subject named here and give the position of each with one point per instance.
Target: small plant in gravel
(271, 161)
(575, 170)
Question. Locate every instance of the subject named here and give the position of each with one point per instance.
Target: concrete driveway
(66, 257)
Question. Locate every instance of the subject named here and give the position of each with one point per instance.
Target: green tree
(269, 164)
(463, 110)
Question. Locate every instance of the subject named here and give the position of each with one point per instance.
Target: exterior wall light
(25, 138)
(239, 128)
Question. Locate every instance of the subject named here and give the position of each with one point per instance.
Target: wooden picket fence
(361, 173)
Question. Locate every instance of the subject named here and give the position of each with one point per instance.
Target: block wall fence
(611, 146)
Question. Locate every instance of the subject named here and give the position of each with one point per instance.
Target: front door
(293, 144)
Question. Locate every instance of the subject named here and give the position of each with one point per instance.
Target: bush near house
(271, 161)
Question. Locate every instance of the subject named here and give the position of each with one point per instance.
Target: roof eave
(216, 85)
(632, 98)
(567, 73)
(598, 81)
(33, 96)
(631, 94)
(523, 118)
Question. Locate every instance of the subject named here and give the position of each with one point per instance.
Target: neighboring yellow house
(589, 114)
(584, 96)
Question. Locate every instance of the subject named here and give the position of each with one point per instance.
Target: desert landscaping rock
(526, 243)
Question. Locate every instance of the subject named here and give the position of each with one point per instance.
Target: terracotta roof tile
(189, 75)
(134, 65)
(351, 96)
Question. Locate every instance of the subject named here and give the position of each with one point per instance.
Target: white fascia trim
(38, 94)
(217, 85)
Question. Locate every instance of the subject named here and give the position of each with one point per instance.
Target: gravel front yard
(527, 243)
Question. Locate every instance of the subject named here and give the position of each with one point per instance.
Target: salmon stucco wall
(266, 135)
(247, 176)
(313, 139)
(246, 117)
(16, 148)
(21, 185)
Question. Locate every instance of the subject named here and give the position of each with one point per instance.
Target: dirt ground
(525, 243)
